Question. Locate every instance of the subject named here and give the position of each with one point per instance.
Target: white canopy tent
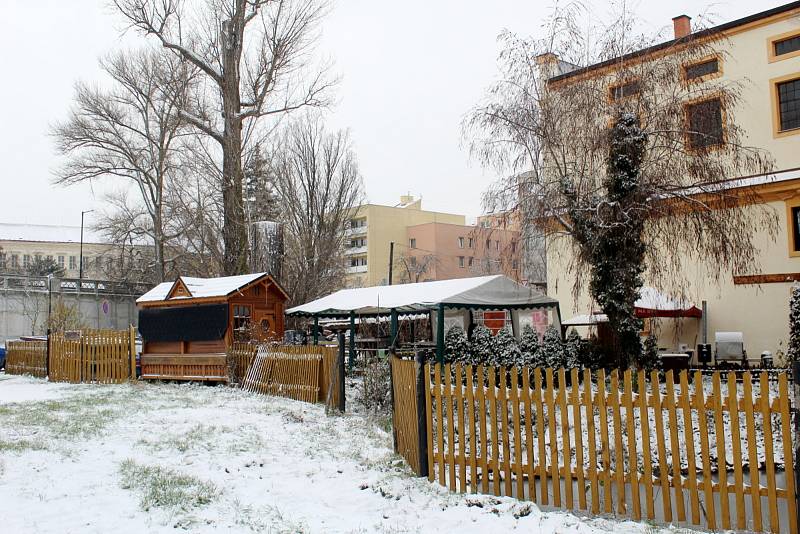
(496, 292)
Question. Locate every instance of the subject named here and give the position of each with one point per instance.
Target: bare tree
(318, 184)
(252, 54)
(622, 160)
(130, 132)
(413, 268)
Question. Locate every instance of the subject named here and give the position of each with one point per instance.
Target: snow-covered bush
(529, 346)
(456, 345)
(793, 352)
(573, 348)
(480, 346)
(552, 349)
(506, 349)
(649, 359)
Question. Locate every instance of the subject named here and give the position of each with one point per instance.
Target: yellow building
(764, 50)
(373, 227)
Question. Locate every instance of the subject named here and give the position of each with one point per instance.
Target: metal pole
(49, 324)
(394, 329)
(316, 330)
(352, 361)
(80, 258)
(705, 322)
(391, 260)
(392, 358)
(440, 334)
(422, 419)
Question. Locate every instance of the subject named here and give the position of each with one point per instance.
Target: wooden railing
(715, 451)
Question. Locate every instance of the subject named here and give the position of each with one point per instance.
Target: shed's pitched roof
(495, 291)
(203, 287)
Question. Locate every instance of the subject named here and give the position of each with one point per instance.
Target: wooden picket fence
(26, 358)
(682, 449)
(104, 356)
(300, 372)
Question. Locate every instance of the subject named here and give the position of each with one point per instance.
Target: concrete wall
(24, 301)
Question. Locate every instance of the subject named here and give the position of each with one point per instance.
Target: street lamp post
(80, 259)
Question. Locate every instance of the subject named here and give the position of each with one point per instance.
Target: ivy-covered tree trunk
(794, 327)
(609, 235)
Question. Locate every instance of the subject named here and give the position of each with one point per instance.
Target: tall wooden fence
(105, 356)
(712, 451)
(26, 357)
(301, 372)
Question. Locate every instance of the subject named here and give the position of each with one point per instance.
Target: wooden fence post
(392, 357)
(796, 410)
(133, 352)
(422, 417)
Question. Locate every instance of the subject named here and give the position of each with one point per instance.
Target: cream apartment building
(764, 50)
(373, 227)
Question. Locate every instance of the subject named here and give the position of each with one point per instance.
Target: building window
(701, 69)
(412, 243)
(3, 261)
(793, 228)
(471, 243)
(241, 321)
(782, 47)
(26, 261)
(413, 261)
(497, 245)
(624, 90)
(14, 261)
(49, 258)
(358, 262)
(73, 262)
(488, 244)
(470, 261)
(788, 104)
(704, 124)
(61, 262)
(460, 242)
(513, 247)
(359, 242)
(37, 257)
(461, 261)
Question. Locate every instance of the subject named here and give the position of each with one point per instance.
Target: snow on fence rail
(26, 357)
(301, 372)
(688, 449)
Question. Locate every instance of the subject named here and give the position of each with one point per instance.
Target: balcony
(357, 269)
(359, 230)
(356, 250)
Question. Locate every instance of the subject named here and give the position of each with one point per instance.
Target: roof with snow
(486, 292)
(202, 287)
(49, 233)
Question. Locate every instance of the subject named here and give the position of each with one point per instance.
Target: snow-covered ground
(159, 457)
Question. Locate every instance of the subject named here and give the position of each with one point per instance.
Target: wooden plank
(663, 470)
(462, 437)
(551, 415)
(675, 445)
(605, 474)
(619, 455)
(484, 438)
(493, 460)
(769, 456)
(722, 467)
(537, 380)
(705, 451)
(505, 433)
(788, 452)
(752, 450)
(588, 399)
(633, 464)
(473, 442)
(577, 419)
(526, 398)
(688, 432)
(517, 433)
(647, 465)
(566, 447)
(738, 476)
(439, 424)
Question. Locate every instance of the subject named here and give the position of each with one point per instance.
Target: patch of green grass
(165, 488)
(21, 445)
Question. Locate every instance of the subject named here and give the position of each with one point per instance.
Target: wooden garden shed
(187, 325)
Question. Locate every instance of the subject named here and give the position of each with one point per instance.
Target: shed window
(698, 70)
(704, 123)
(789, 104)
(241, 319)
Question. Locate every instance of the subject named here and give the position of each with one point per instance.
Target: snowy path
(153, 458)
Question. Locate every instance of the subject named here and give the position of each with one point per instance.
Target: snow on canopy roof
(201, 287)
(495, 291)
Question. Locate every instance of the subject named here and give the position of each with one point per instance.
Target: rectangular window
(497, 245)
(73, 262)
(461, 261)
(413, 260)
(786, 46)
(488, 244)
(26, 261)
(699, 70)
(412, 243)
(14, 261)
(61, 262)
(625, 90)
(49, 258)
(789, 104)
(470, 261)
(471, 243)
(241, 321)
(3, 261)
(37, 257)
(704, 124)
(460, 242)
(794, 230)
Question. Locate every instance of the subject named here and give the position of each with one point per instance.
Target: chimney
(682, 25)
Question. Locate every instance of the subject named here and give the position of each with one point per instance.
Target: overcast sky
(410, 71)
